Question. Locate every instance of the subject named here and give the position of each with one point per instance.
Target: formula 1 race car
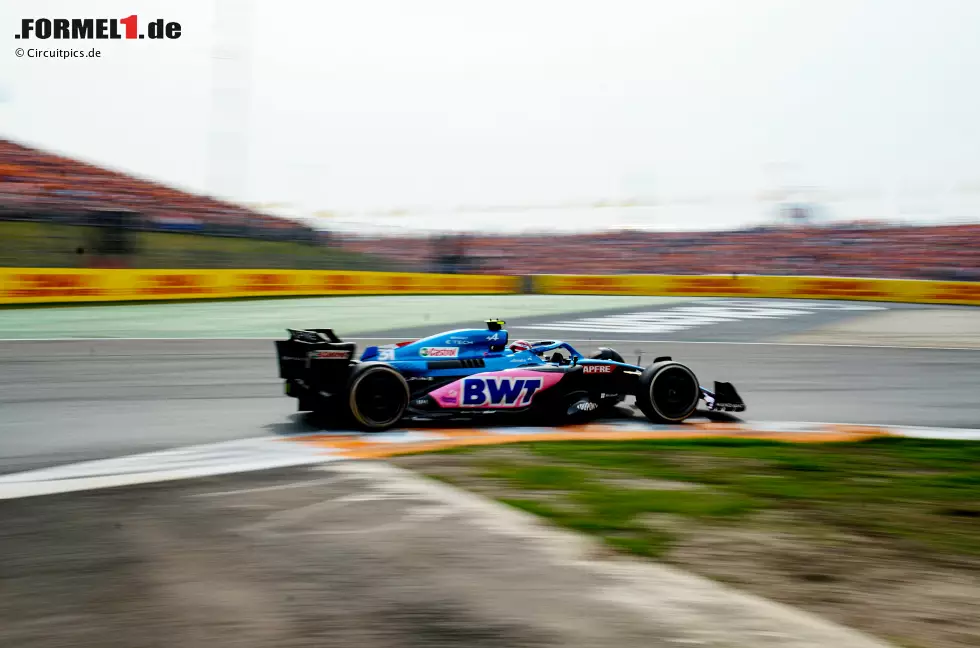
(474, 372)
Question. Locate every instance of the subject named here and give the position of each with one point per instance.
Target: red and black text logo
(96, 28)
(597, 368)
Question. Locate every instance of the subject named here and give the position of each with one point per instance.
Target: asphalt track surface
(333, 556)
(63, 401)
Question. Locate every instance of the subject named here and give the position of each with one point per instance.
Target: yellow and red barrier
(50, 285)
(897, 290)
(54, 285)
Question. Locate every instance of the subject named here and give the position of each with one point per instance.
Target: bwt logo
(499, 392)
(95, 28)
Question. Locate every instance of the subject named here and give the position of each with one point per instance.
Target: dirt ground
(911, 598)
(348, 555)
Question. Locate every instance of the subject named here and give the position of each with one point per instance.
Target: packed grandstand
(41, 188)
(859, 250)
(38, 185)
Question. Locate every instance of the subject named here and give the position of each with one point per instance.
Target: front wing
(724, 398)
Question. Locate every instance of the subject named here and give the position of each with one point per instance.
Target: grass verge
(922, 494)
(882, 535)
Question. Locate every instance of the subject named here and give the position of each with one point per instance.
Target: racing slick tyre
(668, 392)
(377, 396)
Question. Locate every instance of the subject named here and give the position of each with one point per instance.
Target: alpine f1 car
(471, 373)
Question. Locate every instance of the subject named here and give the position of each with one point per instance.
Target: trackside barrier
(55, 285)
(893, 290)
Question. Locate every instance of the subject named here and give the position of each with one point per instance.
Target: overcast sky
(373, 104)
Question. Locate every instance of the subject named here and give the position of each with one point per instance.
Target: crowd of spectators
(853, 250)
(38, 185)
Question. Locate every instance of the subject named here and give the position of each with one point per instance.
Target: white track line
(264, 453)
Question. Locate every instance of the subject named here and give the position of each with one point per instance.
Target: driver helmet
(520, 345)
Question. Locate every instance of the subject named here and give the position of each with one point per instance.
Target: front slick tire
(668, 392)
(377, 396)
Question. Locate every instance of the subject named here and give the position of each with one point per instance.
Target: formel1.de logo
(96, 29)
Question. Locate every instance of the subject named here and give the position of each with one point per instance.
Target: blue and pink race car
(471, 373)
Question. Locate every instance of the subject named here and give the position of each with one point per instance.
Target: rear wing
(313, 355)
(312, 335)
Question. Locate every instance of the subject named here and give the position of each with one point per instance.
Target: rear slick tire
(668, 392)
(377, 396)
